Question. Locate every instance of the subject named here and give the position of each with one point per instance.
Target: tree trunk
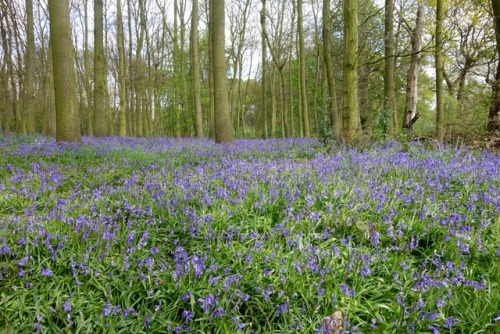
(302, 73)
(99, 71)
(211, 111)
(139, 75)
(494, 114)
(439, 71)
(121, 71)
(410, 113)
(223, 128)
(351, 121)
(264, 69)
(195, 70)
(327, 58)
(7, 70)
(30, 69)
(67, 116)
(389, 88)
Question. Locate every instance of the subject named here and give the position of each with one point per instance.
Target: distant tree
(67, 115)
(351, 121)
(223, 128)
(494, 114)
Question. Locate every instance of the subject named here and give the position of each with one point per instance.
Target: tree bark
(67, 116)
(223, 128)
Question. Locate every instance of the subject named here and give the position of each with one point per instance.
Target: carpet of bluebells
(177, 236)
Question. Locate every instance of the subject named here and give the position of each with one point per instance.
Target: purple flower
(67, 306)
(147, 319)
(207, 303)
(128, 311)
(187, 315)
(450, 322)
(46, 272)
(106, 310)
(219, 312)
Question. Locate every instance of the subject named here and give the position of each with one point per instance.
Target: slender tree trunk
(121, 71)
(99, 71)
(439, 71)
(223, 128)
(273, 107)
(389, 88)
(30, 69)
(302, 73)
(494, 114)
(327, 55)
(67, 116)
(410, 113)
(86, 74)
(264, 69)
(351, 121)
(7, 71)
(195, 70)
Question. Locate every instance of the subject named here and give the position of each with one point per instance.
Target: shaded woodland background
(293, 68)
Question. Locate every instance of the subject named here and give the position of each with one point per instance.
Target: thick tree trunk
(410, 113)
(67, 116)
(439, 71)
(351, 121)
(99, 71)
(494, 114)
(223, 128)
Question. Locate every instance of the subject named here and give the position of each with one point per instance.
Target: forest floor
(182, 235)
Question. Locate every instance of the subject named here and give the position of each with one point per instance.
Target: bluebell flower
(67, 306)
(106, 310)
(46, 272)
